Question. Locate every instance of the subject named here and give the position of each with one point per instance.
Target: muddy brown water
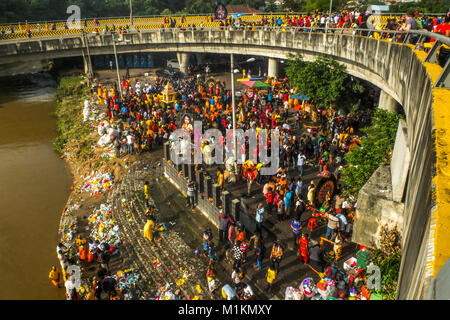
(34, 187)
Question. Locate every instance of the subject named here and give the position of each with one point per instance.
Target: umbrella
(255, 84)
(248, 83)
(299, 97)
(237, 15)
(260, 84)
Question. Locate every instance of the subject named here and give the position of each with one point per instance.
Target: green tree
(423, 6)
(293, 5)
(271, 7)
(200, 6)
(322, 80)
(375, 149)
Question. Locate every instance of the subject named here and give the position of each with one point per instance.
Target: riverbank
(107, 204)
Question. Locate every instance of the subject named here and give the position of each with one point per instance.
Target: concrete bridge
(405, 76)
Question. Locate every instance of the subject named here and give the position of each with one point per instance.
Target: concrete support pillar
(185, 170)
(216, 195)
(167, 151)
(183, 60)
(235, 209)
(272, 70)
(388, 103)
(191, 172)
(85, 62)
(226, 203)
(179, 168)
(200, 182)
(208, 187)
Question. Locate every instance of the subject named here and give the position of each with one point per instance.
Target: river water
(34, 187)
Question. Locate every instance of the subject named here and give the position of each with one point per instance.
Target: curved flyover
(397, 69)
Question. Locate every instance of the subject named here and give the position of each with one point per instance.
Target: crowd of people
(138, 120)
(322, 148)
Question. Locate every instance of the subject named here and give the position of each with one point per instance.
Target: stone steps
(130, 188)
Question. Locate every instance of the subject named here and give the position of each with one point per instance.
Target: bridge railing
(381, 18)
(206, 14)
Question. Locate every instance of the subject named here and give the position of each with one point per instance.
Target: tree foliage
(322, 80)
(422, 6)
(375, 149)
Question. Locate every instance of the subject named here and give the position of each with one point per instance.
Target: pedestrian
(232, 233)
(342, 224)
(236, 278)
(288, 204)
(244, 247)
(92, 255)
(83, 252)
(250, 179)
(97, 284)
(237, 254)
(259, 217)
(299, 207)
(271, 275)
(148, 229)
(130, 139)
(109, 286)
(54, 276)
(332, 225)
(206, 239)
(280, 207)
(191, 194)
(240, 233)
(311, 191)
(298, 187)
(259, 250)
(296, 226)
(245, 292)
(105, 256)
(146, 193)
(316, 256)
(276, 255)
(228, 292)
(211, 274)
(224, 222)
(303, 248)
(300, 163)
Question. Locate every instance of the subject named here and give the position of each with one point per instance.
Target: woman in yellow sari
(148, 229)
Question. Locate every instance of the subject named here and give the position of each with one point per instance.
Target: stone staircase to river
(167, 247)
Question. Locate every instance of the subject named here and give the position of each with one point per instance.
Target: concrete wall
(376, 208)
(394, 68)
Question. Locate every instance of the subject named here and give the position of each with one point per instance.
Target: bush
(388, 259)
(375, 149)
